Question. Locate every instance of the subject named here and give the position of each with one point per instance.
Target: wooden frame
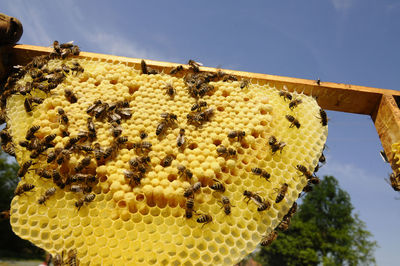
(380, 104)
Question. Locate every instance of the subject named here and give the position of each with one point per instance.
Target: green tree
(12, 245)
(324, 231)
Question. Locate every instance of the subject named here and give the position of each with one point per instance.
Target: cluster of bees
(311, 178)
(82, 177)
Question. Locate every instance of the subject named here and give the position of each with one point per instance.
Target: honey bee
(229, 77)
(49, 138)
(244, 83)
(124, 113)
(294, 103)
(275, 145)
(261, 173)
(206, 114)
(292, 209)
(23, 188)
(293, 121)
(180, 140)
(284, 224)
(395, 181)
(43, 173)
(189, 192)
(76, 67)
(194, 65)
(322, 158)
(268, 239)
(204, 219)
(169, 117)
(205, 89)
(198, 106)
(189, 207)
(9, 149)
(314, 180)
(167, 160)
(63, 117)
(218, 186)
(225, 152)
(70, 96)
(64, 133)
(109, 152)
(92, 107)
(116, 130)
(324, 117)
(161, 127)
(263, 205)
(24, 168)
(98, 153)
(56, 47)
(5, 136)
(307, 188)
(143, 65)
(39, 150)
(139, 163)
(237, 134)
(72, 259)
(135, 177)
(63, 156)
(27, 105)
(53, 155)
(304, 171)
(36, 100)
(143, 135)
(142, 146)
(100, 110)
(67, 45)
(169, 90)
(57, 179)
(3, 117)
(47, 194)
(120, 140)
(30, 134)
(87, 198)
(176, 69)
(91, 127)
(85, 148)
(184, 172)
(83, 163)
(282, 193)
(252, 196)
(77, 188)
(86, 178)
(285, 95)
(226, 204)
(194, 119)
(71, 142)
(58, 259)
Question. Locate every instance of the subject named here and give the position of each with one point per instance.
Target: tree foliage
(12, 245)
(324, 231)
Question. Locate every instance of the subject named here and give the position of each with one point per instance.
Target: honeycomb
(122, 220)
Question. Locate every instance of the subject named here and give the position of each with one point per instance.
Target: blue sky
(345, 41)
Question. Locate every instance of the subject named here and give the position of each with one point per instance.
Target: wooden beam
(330, 96)
(387, 124)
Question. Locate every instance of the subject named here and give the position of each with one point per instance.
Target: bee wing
(384, 157)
